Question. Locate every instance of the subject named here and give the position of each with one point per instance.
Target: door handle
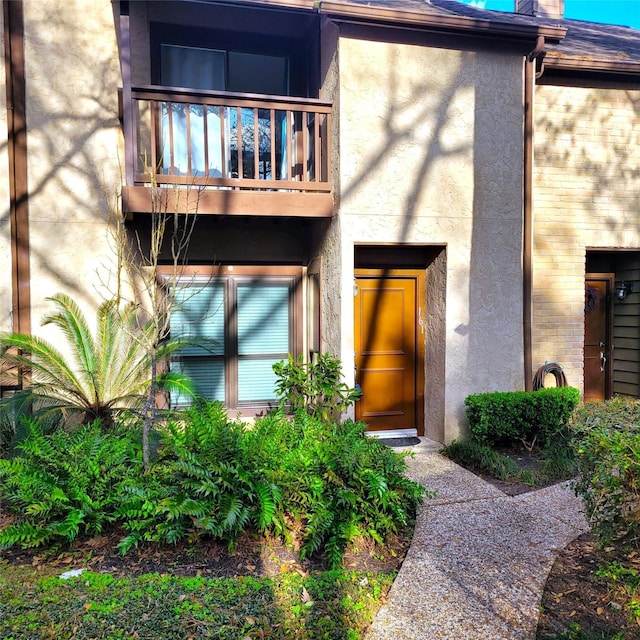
(603, 357)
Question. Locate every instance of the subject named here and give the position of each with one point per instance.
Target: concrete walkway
(479, 559)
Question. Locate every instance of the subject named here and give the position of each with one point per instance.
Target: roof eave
(402, 18)
(451, 24)
(590, 64)
(309, 5)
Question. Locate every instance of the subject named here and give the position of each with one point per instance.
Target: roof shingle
(583, 41)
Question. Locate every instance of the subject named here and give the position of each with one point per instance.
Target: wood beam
(227, 202)
(17, 152)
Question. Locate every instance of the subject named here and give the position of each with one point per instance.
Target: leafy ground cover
(593, 592)
(329, 605)
(512, 468)
(260, 589)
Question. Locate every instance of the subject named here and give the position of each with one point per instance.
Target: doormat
(399, 442)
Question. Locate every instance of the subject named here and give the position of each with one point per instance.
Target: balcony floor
(140, 199)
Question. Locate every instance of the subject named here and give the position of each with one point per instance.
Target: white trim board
(393, 433)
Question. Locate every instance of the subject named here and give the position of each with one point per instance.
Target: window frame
(231, 276)
(293, 50)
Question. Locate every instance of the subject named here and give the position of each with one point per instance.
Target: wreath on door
(591, 297)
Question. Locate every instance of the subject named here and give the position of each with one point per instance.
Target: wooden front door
(598, 365)
(389, 346)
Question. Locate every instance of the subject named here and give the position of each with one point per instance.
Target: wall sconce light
(623, 290)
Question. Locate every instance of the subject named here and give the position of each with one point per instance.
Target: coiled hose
(542, 372)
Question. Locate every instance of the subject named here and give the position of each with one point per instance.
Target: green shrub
(317, 483)
(335, 483)
(607, 442)
(314, 387)
(307, 476)
(199, 485)
(529, 416)
(63, 485)
(295, 475)
(7, 434)
(619, 413)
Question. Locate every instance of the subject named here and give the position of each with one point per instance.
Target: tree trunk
(149, 412)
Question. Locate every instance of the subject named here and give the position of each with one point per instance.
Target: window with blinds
(198, 313)
(263, 337)
(240, 326)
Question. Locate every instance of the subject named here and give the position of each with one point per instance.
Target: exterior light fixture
(623, 290)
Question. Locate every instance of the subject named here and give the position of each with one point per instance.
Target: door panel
(597, 337)
(387, 352)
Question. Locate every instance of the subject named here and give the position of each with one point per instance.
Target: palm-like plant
(105, 373)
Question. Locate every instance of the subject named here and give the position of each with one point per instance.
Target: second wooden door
(388, 348)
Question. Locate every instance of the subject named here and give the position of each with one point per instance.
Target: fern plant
(65, 484)
(108, 372)
(336, 484)
(199, 485)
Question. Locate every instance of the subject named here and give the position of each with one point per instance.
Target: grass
(480, 457)
(332, 604)
(554, 464)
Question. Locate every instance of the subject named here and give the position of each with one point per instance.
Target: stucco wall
(586, 195)
(5, 226)
(74, 143)
(332, 267)
(431, 152)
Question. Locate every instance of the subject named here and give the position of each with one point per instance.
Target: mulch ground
(575, 595)
(526, 461)
(251, 556)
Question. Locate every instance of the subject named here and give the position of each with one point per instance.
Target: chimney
(541, 8)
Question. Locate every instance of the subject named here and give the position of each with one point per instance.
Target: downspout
(13, 18)
(527, 237)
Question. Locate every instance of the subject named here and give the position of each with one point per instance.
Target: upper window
(201, 140)
(249, 321)
(219, 70)
(217, 60)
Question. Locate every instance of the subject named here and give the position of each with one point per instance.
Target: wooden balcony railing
(227, 141)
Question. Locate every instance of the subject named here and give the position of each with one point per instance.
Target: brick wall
(586, 195)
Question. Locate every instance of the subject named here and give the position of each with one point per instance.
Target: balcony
(226, 153)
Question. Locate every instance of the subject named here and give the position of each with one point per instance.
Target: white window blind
(198, 314)
(263, 337)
